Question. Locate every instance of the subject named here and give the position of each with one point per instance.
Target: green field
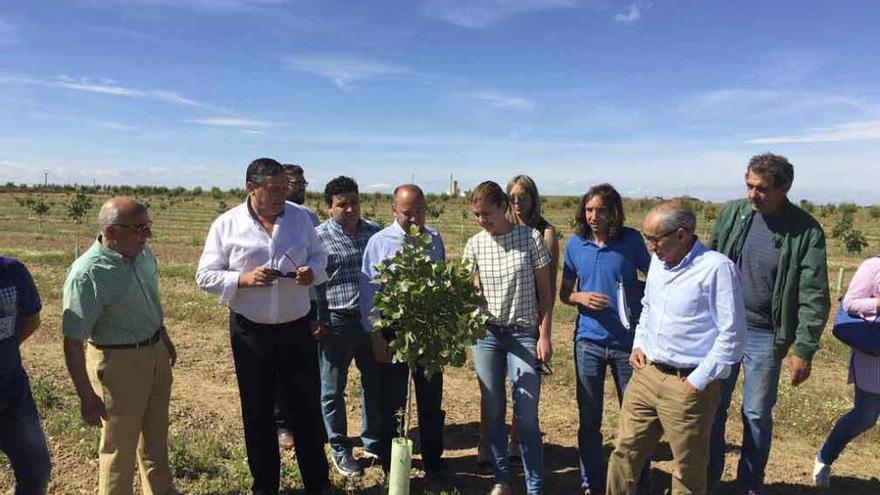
(207, 448)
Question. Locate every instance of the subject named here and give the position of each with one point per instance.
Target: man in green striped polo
(118, 352)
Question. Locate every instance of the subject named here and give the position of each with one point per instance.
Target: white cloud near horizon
(496, 100)
(481, 14)
(631, 15)
(851, 131)
(343, 70)
(8, 32)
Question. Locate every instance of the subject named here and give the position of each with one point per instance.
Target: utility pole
(46, 177)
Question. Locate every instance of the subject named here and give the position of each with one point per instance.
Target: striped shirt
(505, 265)
(861, 297)
(344, 257)
(110, 299)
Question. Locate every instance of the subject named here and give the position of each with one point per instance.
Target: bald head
(118, 209)
(409, 206)
(673, 214)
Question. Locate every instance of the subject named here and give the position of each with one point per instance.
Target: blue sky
(658, 98)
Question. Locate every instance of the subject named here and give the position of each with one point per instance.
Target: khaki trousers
(135, 385)
(656, 403)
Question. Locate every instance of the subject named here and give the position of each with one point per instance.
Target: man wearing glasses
(296, 193)
(118, 352)
(261, 257)
(691, 333)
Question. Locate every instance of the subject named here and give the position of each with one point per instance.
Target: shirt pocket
(682, 303)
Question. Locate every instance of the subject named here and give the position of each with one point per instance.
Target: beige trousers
(656, 403)
(135, 385)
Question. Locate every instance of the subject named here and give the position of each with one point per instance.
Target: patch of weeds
(208, 462)
(61, 418)
(181, 270)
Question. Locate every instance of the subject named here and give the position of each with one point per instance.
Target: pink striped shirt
(861, 297)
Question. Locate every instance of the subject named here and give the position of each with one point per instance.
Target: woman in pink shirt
(862, 297)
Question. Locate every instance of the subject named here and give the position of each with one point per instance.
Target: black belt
(144, 343)
(347, 312)
(672, 370)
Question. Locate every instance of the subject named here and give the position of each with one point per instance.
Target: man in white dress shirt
(261, 257)
(691, 332)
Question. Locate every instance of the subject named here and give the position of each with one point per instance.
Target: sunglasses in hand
(278, 273)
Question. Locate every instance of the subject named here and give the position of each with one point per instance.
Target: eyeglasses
(651, 239)
(144, 228)
(298, 183)
(545, 369)
(279, 273)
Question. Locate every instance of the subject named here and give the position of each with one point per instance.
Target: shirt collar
(337, 227)
(697, 249)
(109, 253)
(253, 213)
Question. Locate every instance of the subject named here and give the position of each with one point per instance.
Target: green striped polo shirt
(110, 299)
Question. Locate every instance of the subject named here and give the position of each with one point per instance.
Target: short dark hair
(491, 192)
(261, 169)
(292, 169)
(610, 199)
(775, 166)
(339, 185)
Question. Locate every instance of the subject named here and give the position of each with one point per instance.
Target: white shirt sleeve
(213, 273)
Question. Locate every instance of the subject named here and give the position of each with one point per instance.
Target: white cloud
(8, 33)
(479, 14)
(116, 126)
(497, 100)
(378, 187)
(764, 104)
(851, 131)
(242, 122)
(632, 14)
(343, 71)
(107, 87)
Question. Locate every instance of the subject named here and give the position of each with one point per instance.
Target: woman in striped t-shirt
(511, 264)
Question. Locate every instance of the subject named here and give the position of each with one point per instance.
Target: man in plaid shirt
(344, 237)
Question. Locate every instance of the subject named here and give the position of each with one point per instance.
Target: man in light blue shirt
(409, 209)
(691, 332)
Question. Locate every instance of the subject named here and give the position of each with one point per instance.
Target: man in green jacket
(780, 251)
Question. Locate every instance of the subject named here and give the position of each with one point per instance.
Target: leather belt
(672, 370)
(144, 343)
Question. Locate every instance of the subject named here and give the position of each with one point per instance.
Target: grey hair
(108, 215)
(675, 214)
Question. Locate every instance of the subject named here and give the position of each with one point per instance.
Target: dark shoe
(346, 465)
(439, 472)
(285, 440)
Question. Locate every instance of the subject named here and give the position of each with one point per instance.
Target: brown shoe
(285, 440)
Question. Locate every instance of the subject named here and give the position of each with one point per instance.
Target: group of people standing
(673, 318)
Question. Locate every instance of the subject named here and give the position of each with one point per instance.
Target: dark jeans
(591, 360)
(346, 341)
(429, 401)
(761, 369)
(283, 415)
(861, 418)
(262, 353)
(22, 439)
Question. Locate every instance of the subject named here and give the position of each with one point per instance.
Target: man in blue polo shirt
(21, 436)
(601, 259)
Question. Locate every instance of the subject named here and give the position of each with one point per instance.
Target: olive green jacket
(801, 301)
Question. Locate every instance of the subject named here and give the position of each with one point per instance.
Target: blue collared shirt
(385, 244)
(600, 269)
(694, 315)
(344, 257)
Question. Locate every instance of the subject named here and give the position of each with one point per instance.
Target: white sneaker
(500, 489)
(821, 474)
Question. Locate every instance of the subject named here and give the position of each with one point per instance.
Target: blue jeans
(761, 369)
(22, 439)
(591, 360)
(861, 418)
(515, 348)
(347, 341)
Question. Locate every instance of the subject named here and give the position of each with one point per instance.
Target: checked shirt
(344, 257)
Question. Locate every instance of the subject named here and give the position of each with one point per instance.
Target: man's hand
(92, 409)
(320, 329)
(637, 359)
(799, 369)
(261, 277)
(688, 387)
(304, 275)
(172, 351)
(544, 350)
(381, 352)
(593, 300)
